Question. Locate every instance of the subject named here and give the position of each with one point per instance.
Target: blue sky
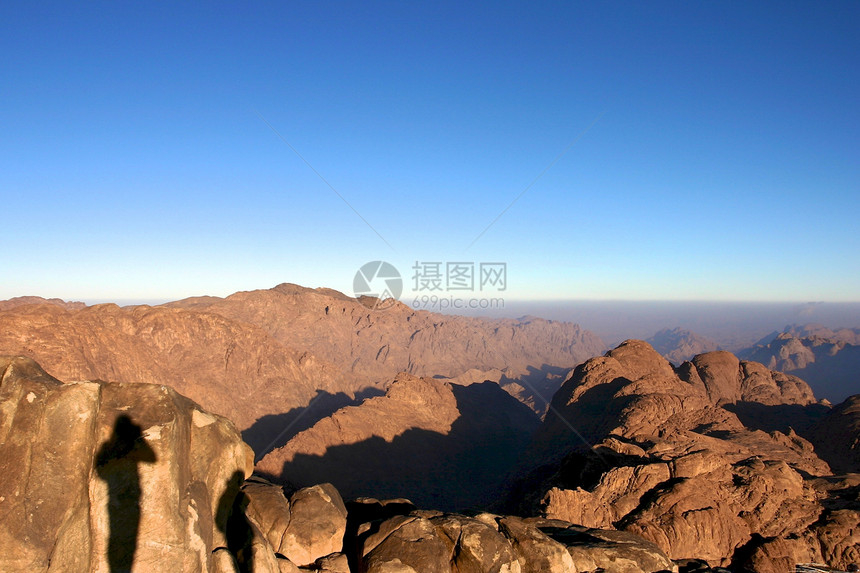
(715, 156)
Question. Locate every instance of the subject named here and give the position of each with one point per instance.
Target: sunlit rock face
(96, 476)
(267, 358)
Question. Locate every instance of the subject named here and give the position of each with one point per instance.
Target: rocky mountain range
(274, 361)
(829, 360)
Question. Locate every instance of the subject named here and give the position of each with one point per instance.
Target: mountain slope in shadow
(438, 444)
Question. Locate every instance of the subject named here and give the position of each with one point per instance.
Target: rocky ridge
(287, 356)
(533, 354)
(443, 445)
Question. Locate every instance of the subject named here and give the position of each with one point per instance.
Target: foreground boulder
(308, 526)
(433, 542)
(99, 477)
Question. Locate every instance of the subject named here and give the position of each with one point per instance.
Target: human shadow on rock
(230, 520)
(117, 464)
(463, 469)
(273, 431)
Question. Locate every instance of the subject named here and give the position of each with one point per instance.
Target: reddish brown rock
(96, 476)
(828, 360)
(673, 464)
(260, 358)
(678, 345)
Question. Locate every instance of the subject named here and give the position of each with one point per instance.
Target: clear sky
(715, 146)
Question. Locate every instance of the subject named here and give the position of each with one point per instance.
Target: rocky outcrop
(678, 345)
(304, 528)
(442, 445)
(660, 452)
(96, 476)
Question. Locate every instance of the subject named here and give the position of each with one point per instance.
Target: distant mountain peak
(678, 344)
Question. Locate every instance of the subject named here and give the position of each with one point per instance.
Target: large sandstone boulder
(108, 477)
(309, 526)
(601, 549)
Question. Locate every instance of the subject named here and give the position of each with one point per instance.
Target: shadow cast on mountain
(463, 469)
(832, 376)
(580, 425)
(539, 385)
(780, 417)
(273, 431)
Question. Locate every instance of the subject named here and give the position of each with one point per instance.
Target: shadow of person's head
(126, 441)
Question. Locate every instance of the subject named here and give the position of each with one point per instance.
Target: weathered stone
(619, 492)
(334, 563)
(675, 464)
(536, 552)
(317, 524)
(837, 436)
(97, 476)
(223, 561)
(268, 509)
(478, 547)
(406, 544)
